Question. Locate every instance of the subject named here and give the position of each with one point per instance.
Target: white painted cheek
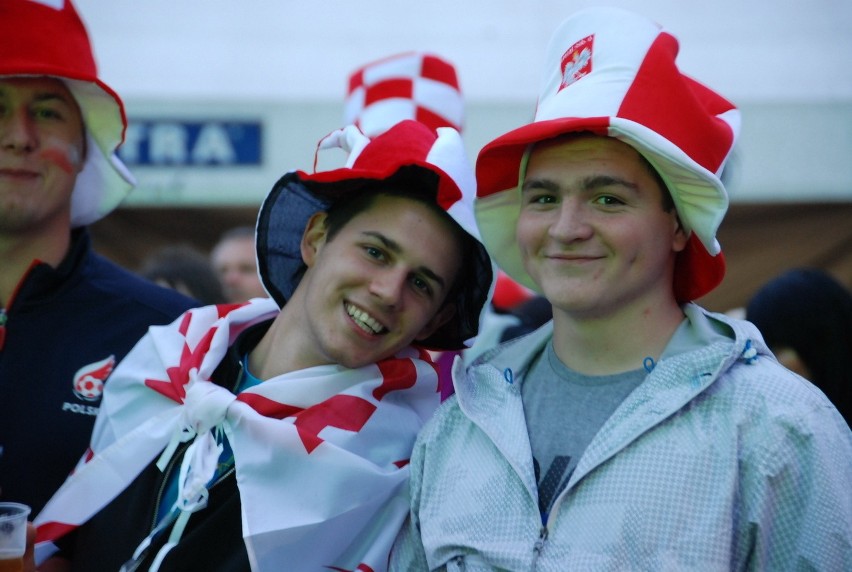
(63, 154)
(75, 156)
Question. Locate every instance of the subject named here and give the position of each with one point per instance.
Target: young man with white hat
(67, 315)
(275, 434)
(636, 431)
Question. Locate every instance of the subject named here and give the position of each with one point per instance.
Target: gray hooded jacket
(720, 460)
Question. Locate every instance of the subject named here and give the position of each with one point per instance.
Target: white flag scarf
(321, 456)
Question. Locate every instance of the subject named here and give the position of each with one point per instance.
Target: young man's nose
(571, 222)
(388, 284)
(17, 132)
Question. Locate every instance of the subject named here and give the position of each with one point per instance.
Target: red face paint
(61, 159)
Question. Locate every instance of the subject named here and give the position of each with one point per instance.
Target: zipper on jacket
(178, 454)
(166, 473)
(133, 564)
(538, 547)
(4, 315)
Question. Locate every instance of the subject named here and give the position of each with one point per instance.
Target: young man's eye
(421, 284)
(374, 252)
(609, 201)
(540, 199)
(47, 113)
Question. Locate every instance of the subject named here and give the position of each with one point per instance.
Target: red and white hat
(412, 85)
(407, 155)
(613, 73)
(48, 38)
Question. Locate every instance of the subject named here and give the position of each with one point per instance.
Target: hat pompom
(413, 85)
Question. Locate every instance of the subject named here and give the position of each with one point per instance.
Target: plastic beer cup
(13, 535)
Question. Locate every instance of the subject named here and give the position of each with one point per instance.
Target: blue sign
(213, 143)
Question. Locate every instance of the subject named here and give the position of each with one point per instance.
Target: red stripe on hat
(386, 155)
(402, 88)
(682, 120)
(696, 272)
(439, 70)
(356, 80)
(432, 120)
(38, 37)
(498, 162)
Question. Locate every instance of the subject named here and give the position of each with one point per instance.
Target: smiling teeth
(364, 320)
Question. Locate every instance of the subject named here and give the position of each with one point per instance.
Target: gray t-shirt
(564, 410)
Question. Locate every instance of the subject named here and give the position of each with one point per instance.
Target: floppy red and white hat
(413, 85)
(48, 38)
(406, 155)
(613, 73)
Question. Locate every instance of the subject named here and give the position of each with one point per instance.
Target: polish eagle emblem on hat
(89, 379)
(577, 61)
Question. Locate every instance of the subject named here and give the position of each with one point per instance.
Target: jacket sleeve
(408, 553)
(798, 505)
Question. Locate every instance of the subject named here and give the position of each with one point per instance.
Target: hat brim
(105, 180)
(699, 197)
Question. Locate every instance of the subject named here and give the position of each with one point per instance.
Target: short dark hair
(668, 201)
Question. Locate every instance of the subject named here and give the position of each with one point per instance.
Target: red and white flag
(321, 454)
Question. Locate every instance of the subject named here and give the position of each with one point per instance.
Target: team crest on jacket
(89, 379)
(577, 61)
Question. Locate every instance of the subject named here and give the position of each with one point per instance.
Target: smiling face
(376, 286)
(592, 228)
(41, 153)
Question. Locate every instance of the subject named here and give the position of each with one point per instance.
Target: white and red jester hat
(613, 73)
(48, 38)
(409, 154)
(412, 85)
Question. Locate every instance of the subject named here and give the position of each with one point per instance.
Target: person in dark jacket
(275, 434)
(67, 315)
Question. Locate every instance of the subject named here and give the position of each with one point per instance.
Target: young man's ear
(446, 313)
(679, 236)
(313, 238)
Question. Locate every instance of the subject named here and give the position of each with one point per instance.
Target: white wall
(786, 63)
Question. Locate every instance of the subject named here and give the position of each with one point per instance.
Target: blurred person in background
(67, 314)
(805, 316)
(234, 261)
(186, 269)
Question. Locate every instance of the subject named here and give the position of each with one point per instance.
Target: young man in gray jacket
(636, 431)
